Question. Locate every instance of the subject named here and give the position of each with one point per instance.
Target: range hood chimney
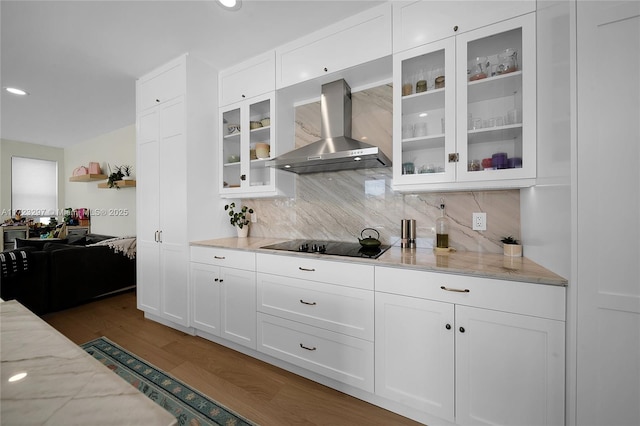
(336, 150)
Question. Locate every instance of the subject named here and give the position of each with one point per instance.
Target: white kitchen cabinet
(224, 296)
(503, 339)
(164, 136)
(205, 297)
(509, 368)
(248, 79)
(446, 136)
(415, 353)
(419, 22)
(247, 141)
(424, 120)
(161, 86)
(353, 41)
(318, 315)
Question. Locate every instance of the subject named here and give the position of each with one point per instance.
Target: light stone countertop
(484, 265)
(64, 384)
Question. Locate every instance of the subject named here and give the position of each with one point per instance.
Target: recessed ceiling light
(423, 114)
(15, 91)
(230, 4)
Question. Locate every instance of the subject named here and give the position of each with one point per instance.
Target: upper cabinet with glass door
(473, 124)
(424, 114)
(497, 95)
(247, 142)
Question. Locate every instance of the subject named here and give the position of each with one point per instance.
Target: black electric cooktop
(335, 248)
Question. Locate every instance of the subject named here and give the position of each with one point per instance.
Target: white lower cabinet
(224, 298)
(318, 315)
(456, 348)
(509, 368)
(415, 353)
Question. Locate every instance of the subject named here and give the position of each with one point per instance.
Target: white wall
(113, 212)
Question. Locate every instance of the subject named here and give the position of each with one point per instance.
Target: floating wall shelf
(87, 178)
(121, 184)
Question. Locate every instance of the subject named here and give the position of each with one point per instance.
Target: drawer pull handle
(307, 348)
(457, 290)
(219, 257)
(306, 269)
(307, 303)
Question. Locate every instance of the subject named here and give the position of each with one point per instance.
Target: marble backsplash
(338, 205)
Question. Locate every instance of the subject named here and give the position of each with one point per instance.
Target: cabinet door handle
(457, 290)
(159, 236)
(325, 69)
(462, 330)
(219, 257)
(307, 348)
(306, 269)
(216, 280)
(243, 96)
(155, 236)
(307, 303)
(243, 177)
(157, 100)
(448, 326)
(455, 28)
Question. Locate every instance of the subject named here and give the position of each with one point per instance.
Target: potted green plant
(114, 176)
(127, 172)
(511, 247)
(239, 219)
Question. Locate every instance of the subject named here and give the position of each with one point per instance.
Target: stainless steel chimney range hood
(336, 150)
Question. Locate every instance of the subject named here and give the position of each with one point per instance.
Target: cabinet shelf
(259, 163)
(87, 178)
(495, 87)
(424, 142)
(235, 137)
(121, 184)
(425, 101)
(493, 134)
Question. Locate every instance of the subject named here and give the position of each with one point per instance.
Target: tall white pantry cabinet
(174, 116)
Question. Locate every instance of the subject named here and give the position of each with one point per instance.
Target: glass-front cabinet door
(496, 102)
(247, 133)
(424, 114)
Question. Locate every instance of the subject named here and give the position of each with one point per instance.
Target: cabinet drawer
(353, 41)
(546, 301)
(347, 274)
(222, 257)
(337, 308)
(334, 355)
(248, 79)
(162, 84)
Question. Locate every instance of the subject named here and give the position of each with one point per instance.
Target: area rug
(189, 406)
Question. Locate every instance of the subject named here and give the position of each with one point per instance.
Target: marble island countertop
(64, 384)
(485, 265)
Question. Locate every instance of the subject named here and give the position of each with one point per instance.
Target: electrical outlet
(479, 221)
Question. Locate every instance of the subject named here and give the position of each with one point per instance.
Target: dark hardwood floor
(261, 392)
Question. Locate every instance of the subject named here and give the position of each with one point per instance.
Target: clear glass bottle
(442, 229)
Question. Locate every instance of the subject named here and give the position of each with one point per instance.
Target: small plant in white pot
(511, 247)
(239, 219)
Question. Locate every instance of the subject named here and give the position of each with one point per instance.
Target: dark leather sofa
(65, 273)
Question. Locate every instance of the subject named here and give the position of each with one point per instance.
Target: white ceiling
(79, 59)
